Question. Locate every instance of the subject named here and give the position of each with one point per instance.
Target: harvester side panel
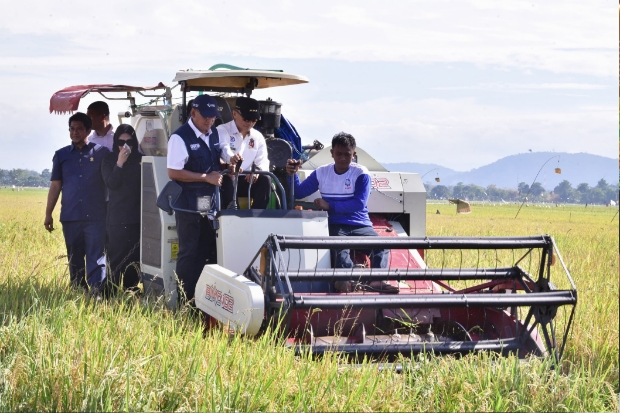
(243, 232)
(159, 242)
(414, 196)
(151, 224)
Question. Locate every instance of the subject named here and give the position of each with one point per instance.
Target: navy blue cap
(249, 108)
(206, 105)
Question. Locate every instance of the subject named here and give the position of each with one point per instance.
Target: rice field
(61, 351)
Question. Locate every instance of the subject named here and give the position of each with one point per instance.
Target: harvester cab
(274, 266)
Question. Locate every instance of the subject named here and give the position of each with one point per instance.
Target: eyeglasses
(122, 141)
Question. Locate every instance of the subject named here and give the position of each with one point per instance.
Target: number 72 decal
(381, 183)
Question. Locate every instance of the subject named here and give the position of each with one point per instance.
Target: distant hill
(509, 171)
(430, 170)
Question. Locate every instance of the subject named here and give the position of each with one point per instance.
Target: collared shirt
(252, 148)
(177, 151)
(83, 189)
(107, 140)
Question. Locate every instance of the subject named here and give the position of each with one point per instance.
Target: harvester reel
(427, 314)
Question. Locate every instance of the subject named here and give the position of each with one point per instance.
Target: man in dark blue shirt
(76, 172)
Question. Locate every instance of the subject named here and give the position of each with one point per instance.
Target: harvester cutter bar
(440, 347)
(365, 300)
(507, 273)
(296, 242)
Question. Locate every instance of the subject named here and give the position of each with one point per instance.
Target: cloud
(562, 37)
(519, 87)
(464, 120)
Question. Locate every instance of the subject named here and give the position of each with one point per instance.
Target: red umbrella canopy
(68, 99)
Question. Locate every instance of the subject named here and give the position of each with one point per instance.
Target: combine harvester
(455, 295)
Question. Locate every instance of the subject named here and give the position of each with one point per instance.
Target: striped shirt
(347, 193)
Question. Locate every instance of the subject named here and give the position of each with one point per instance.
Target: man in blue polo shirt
(76, 172)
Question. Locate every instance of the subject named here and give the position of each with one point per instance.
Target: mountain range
(508, 172)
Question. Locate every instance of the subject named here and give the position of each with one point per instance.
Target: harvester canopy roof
(238, 78)
(67, 100)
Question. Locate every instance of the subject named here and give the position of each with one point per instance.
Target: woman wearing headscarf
(121, 170)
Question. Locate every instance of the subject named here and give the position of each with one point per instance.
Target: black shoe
(79, 286)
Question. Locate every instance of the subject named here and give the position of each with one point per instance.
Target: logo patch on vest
(251, 144)
(347, 183)
(194, 146)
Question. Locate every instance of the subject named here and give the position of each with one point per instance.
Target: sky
(457, 83)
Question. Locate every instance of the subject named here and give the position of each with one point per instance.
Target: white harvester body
(231, 299)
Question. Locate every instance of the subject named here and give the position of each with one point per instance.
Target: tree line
(25, 177)
(602, 193)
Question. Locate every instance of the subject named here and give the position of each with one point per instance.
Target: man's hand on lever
(214, 178)
(235, 160)
(292, 166)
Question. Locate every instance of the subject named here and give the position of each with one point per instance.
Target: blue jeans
(378, 258)
(85, 239)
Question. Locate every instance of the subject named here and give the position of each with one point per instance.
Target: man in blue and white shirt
(345, 187)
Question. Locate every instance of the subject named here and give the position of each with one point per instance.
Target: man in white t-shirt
(103, 131)
(241, 142)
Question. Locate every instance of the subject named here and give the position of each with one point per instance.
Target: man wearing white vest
(345, 187)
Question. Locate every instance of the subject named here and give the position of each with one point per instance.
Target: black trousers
(260, 191)
(124, 254)
(196, 247)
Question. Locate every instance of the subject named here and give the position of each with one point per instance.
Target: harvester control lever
(250, 185)
(233, 203)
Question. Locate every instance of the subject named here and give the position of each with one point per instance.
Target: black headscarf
(135, 155)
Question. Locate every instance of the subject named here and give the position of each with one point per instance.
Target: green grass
(61, 351)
